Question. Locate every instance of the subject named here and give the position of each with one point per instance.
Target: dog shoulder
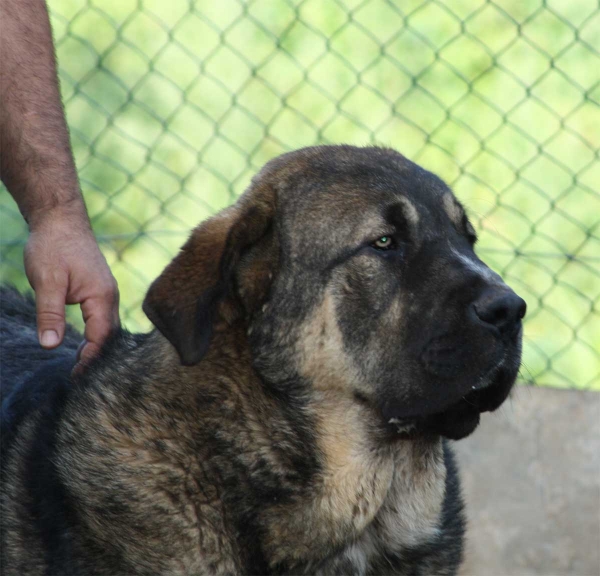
(38, 514)
(103, 473)
(128, 454)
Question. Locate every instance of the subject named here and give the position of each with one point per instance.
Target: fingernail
(49, 338)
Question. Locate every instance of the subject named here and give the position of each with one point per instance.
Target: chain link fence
(173, 106)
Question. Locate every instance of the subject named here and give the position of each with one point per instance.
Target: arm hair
(36, 162)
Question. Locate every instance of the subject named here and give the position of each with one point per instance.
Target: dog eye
(384, 243)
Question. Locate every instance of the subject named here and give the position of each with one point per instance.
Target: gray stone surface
(531, 479)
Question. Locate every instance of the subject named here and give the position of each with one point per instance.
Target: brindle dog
(316, 345)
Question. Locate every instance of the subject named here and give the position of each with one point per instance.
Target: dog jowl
(317, 343)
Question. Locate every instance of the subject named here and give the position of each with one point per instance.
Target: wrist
(71, 210)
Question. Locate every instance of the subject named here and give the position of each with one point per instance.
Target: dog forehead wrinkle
(330, 237)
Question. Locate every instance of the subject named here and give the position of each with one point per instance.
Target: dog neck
(312, 468)
(365, 493)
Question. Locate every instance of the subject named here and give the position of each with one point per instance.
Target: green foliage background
(173, 106)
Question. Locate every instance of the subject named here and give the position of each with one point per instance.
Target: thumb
(50, 310)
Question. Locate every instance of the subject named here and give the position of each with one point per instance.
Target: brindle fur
(289, 415)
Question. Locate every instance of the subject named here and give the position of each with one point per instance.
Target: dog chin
(462, 417)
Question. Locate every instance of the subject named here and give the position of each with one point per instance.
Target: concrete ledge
(531, 479)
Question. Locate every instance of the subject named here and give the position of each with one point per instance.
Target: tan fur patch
(412, 510)
(321, 355)
(452, 208)
(357, 472)
(410, 211)
(357, 475)
(348, 494)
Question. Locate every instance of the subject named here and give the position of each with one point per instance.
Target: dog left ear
(183, 301)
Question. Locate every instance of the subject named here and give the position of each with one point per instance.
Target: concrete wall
(531, 479)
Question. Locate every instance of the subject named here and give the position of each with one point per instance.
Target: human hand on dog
(64, 265)
(62, 260)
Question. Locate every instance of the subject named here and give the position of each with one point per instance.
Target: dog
(317, 344)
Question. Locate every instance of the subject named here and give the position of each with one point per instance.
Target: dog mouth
(460, 418)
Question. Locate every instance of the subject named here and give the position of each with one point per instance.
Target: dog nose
(500, 308)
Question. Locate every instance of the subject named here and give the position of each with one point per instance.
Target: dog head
(351, 269)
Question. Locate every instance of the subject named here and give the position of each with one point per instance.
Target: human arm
(62, 260)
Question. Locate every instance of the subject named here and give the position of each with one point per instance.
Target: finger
(82, 358)
(78, 369)
(101, 317)
(50, 311)
(88, 351)
(79, 350)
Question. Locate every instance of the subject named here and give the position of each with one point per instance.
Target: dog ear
(183, 301)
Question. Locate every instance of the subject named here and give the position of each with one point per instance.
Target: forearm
(36, 163)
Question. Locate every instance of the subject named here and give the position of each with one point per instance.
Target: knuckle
(109, 289)
(49, 279)
(50, 316)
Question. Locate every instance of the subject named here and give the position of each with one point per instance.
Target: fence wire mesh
(173, 106)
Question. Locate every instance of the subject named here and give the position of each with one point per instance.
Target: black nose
(500, 308)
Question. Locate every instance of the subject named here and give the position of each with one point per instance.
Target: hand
(64, 265)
